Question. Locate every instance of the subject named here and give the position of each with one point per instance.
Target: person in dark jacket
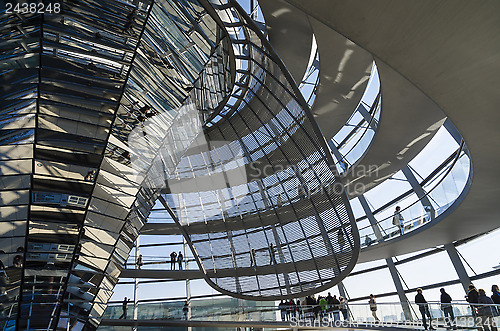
(180, 259)
(447, 309)
(282, 307)
(424, 309)
(124, 308)
(495, 296)
(472, 297)
(486, 311)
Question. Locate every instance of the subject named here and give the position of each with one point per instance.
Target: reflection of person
(373, 307)
(368, 240)
(398, 220)
(447, 309)
(424, 309)
(124, 308)
(18, 261)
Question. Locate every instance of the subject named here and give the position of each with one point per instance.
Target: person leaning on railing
(486, 311)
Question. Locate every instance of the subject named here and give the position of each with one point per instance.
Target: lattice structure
(257, 198)
(105, 105)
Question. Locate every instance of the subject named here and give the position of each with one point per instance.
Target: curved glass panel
(255, 194)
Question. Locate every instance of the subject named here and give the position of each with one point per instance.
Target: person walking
(173, 259)
(124, 308)
(424, 309)
(139, 262)
(180, 259)
(253, 261)
(373, 307)
(272, 254)
(398, 220)
(447, 309)
(486, 311)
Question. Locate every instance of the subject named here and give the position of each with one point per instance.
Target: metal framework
(105, 106)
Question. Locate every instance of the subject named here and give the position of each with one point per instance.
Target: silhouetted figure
(495, 296)
(447, 309)
(139, 262)
(185, 310)
(340, 239)
(173, 259)
(272, 254)
(486, 312)
(180, 258)
(472, 297)
(124, 308)
(335, 306)
(253, 261)
(282, 307)
(424, 309)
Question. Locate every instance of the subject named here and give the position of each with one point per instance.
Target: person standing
(253, 261)
(486, 311)
(343, 308)
(282, 307)
(424, 309)
(272, 254)
(472, 297)
(373, 307)
(340, 239)
(139, 262)
(447, 309)
(323, 305)
(124, 308)
(335, 308)
(173, 259)
(185, 309)
(496, 298)
(180, 259)
(398, 220)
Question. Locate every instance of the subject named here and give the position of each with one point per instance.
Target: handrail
(451, 166)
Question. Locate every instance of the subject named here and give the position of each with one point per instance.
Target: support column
(342, 290)
(419, 191)
(371, 218)
(188, 282)
(458, 265)
(399, 288)
(367, 116)
(392, 268)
